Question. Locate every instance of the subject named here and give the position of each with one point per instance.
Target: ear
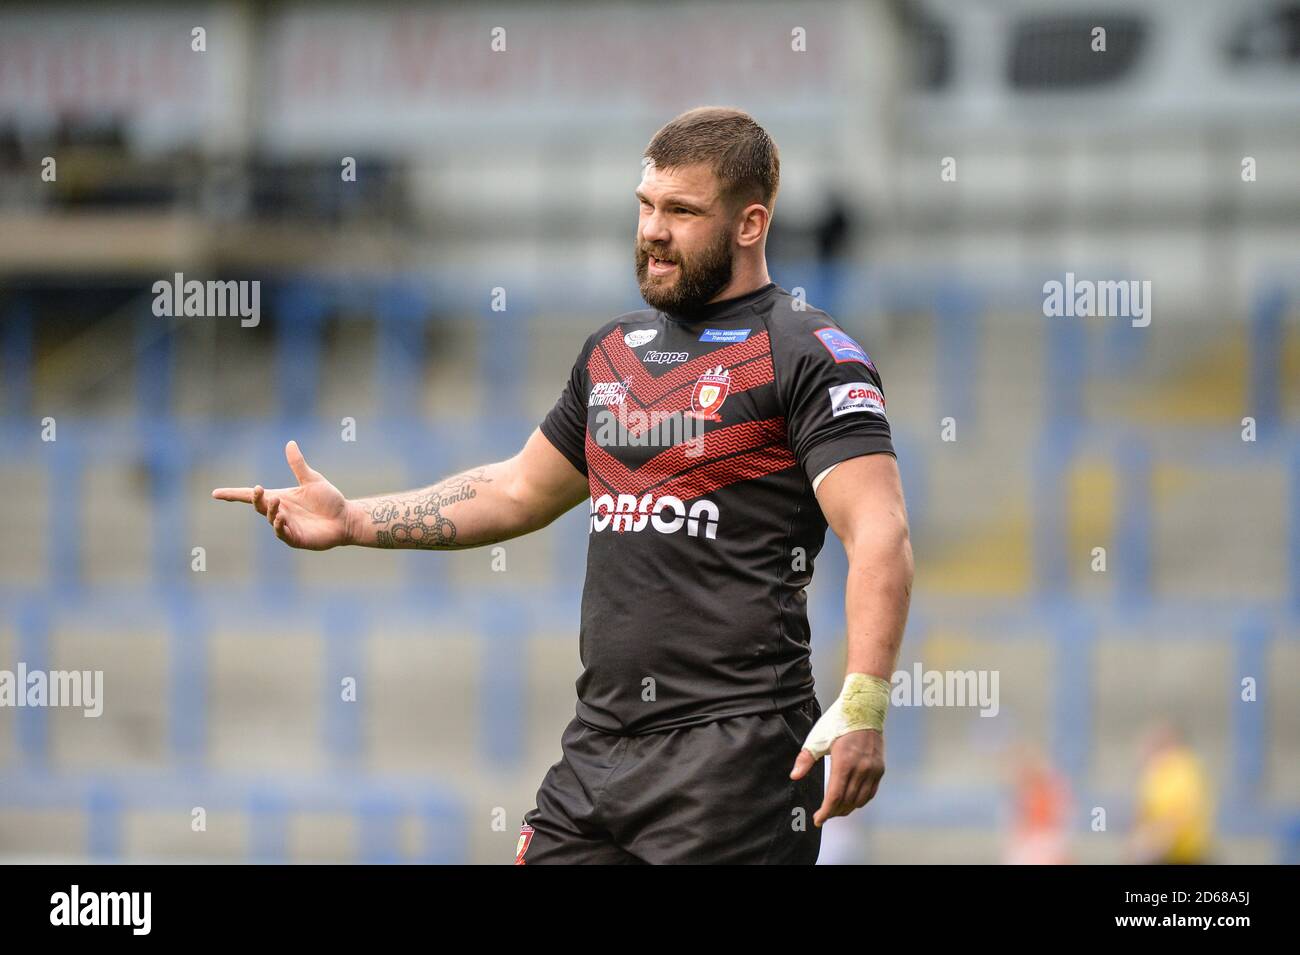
(754, 220)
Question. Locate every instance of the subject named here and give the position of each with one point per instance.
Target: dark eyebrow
(674, 201)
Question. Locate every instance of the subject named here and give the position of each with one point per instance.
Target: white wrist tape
(861, 705)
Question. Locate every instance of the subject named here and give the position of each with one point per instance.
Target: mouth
(660, 267)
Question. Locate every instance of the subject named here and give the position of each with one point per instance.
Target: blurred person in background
(1175, 812)
(1039, 833)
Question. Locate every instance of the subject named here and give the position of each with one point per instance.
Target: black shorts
(717, 793)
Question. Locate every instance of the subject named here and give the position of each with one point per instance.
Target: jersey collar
(723, 309)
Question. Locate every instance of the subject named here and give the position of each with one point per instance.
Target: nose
(654, 230)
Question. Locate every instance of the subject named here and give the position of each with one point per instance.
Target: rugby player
(717, 434)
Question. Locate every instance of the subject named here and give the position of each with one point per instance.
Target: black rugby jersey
(700, 435)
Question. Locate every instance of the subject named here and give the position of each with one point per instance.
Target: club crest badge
(709, 393)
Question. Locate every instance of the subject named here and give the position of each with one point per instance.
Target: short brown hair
(740, 152)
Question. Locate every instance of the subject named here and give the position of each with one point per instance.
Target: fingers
(249, 495)
(268, 503)
(803, 762)
(243, 495)
(281, 524)
(832, 804)
(298, 464)
(861, 789)
(258, 496)
(851, 786)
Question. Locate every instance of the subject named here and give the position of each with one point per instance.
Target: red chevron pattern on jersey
(736, 453)
(752, 374)
(649, 389)
(717, 474)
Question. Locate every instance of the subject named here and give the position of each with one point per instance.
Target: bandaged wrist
(861, 705)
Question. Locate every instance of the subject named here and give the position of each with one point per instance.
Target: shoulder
(799, 330)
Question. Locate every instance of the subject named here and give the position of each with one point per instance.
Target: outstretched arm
(481, 506)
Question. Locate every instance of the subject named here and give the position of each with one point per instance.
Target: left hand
(857, 763)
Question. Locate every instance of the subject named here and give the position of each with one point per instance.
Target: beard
(698, 279)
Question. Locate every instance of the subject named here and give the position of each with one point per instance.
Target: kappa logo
(709, 393)
(525, 840)
(857, 396)
(607, 393)
(642, 336)
(664, 357)
(627, 513)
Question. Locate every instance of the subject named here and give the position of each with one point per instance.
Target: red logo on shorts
(525, 839)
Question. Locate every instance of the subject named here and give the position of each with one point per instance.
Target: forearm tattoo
(416, 520)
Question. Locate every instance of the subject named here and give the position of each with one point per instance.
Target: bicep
(544, 481)
(862, 499)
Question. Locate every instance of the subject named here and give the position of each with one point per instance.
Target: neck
(745, 278)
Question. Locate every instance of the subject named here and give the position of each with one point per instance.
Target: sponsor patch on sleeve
(842, 347)
(856, 396)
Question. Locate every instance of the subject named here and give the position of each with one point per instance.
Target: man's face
(683, 238)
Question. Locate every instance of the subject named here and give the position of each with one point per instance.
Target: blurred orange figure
(1041, 805)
